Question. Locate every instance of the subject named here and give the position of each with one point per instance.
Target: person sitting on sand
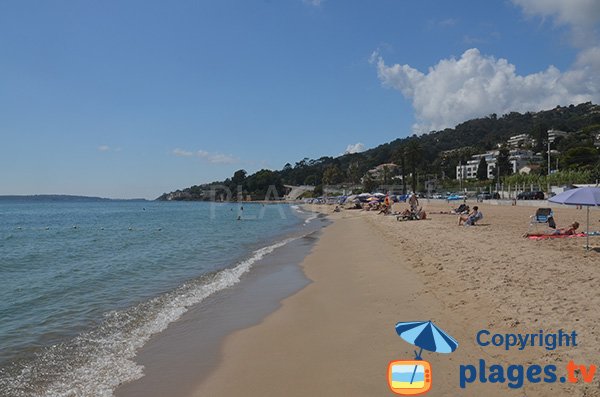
(385, 209)
(564, 231)
(471, 218)
(405, 213)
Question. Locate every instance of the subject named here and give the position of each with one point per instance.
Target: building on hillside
(553, 134)
(529, 168)
(469, 170)
(521, 140)
(518, 158)
(378, 172)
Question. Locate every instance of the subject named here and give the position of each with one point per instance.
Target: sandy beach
(336, 336)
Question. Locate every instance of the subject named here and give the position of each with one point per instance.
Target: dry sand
(336, 336)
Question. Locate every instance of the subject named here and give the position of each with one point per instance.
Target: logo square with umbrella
(414, 377)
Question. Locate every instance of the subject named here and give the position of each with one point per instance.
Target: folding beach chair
(542, 216)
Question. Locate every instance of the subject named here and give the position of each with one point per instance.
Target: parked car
(484, 196)
(488, 196)
(455, 196)
(530, 196)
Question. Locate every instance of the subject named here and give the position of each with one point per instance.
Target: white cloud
(181, 153)
(581, 16)
(476, 85)
(214, 158)
(354, 148)
(570, 12)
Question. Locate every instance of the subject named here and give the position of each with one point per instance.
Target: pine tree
(482, 170)
(503, 162)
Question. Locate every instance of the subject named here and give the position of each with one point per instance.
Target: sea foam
(96, 362)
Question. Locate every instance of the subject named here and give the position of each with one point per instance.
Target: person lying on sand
(407, 214)
(471, 218)
(565, 231)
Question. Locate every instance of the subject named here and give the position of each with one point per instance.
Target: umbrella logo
(413, 377)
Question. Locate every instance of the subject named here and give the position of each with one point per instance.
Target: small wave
(96, 362)
(310, 219)
(299, 210)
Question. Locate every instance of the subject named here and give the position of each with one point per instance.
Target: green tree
(318, 190)
(503, 165)
(540, 135)
(239, 177)
(263, 182)
(354, 172)
(580, 158)
(369, 184)
(386, 175)
(332, 175)
(413, 153)
(311, 180)
(401, 158)
(482, 170)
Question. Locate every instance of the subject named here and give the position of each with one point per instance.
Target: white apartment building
(520, 140)
(518, 158)
(553, 134)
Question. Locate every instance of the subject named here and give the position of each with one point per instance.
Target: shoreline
(336, 335)
(176, 358)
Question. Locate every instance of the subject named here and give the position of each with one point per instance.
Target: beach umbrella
(588, 196)
(425, 335)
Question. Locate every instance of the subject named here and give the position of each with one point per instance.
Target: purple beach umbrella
(588, 196)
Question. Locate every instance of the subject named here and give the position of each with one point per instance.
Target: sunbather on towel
(471, 218)
(564, 231)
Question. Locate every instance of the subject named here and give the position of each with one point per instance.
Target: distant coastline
(61, 198)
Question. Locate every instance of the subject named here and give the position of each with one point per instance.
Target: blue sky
(135, 98)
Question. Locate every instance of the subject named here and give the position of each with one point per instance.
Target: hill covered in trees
(434, 155)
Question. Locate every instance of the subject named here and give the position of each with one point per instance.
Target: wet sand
(188, 350)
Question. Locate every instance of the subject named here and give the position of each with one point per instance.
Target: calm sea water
(84, 285)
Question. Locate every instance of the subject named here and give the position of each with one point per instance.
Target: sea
(85, 285)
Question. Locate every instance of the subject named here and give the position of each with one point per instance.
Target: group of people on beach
(466, 216)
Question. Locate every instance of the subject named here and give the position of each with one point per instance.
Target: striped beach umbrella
(426, 335)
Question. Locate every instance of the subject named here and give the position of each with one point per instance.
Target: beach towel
(547, 236)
